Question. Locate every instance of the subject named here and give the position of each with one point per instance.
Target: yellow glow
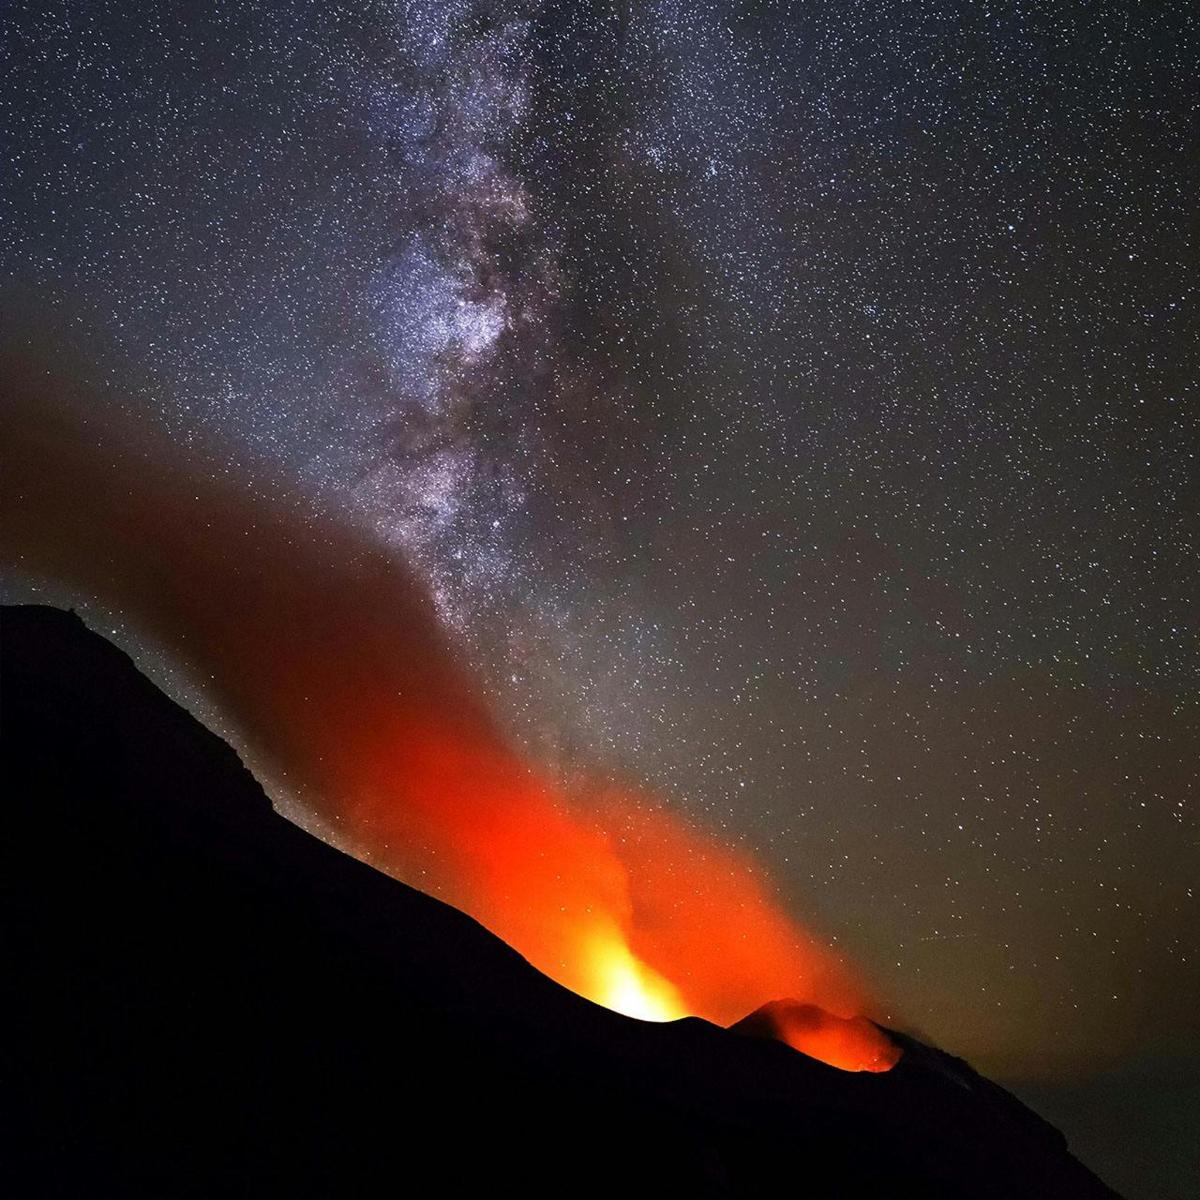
(627, 986)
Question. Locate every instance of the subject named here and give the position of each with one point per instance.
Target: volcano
(208, 1001)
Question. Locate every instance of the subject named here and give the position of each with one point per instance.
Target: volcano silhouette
(210, 1002)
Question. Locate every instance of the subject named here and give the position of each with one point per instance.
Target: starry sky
(789, 407)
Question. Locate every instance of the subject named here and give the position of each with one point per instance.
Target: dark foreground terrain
(207, 1001)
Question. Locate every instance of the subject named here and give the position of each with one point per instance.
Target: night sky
(790, 408)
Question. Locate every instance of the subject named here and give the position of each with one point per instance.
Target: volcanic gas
(314, 641)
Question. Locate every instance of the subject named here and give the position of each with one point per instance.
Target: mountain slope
(207, 1001)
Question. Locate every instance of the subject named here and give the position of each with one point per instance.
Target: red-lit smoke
(322, 650)
(851, 1043)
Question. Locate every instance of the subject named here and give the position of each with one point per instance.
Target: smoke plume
(324, 652)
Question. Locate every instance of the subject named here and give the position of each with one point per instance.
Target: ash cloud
(325, 653)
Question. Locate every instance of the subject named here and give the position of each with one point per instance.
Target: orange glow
(851, 1043)
(628, 986)
(622, 903)
(318, 646)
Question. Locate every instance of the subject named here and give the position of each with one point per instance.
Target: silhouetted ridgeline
(207, 1001)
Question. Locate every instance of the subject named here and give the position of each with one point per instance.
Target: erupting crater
(849, 1043)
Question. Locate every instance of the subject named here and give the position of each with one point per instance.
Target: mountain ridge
(211, 1001)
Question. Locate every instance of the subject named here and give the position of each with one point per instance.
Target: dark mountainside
(207, 1001)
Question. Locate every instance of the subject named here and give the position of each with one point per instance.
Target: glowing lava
(621, 901)
(630, 987)
(850, 1043)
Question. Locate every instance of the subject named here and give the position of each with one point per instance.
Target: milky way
(790, 408)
